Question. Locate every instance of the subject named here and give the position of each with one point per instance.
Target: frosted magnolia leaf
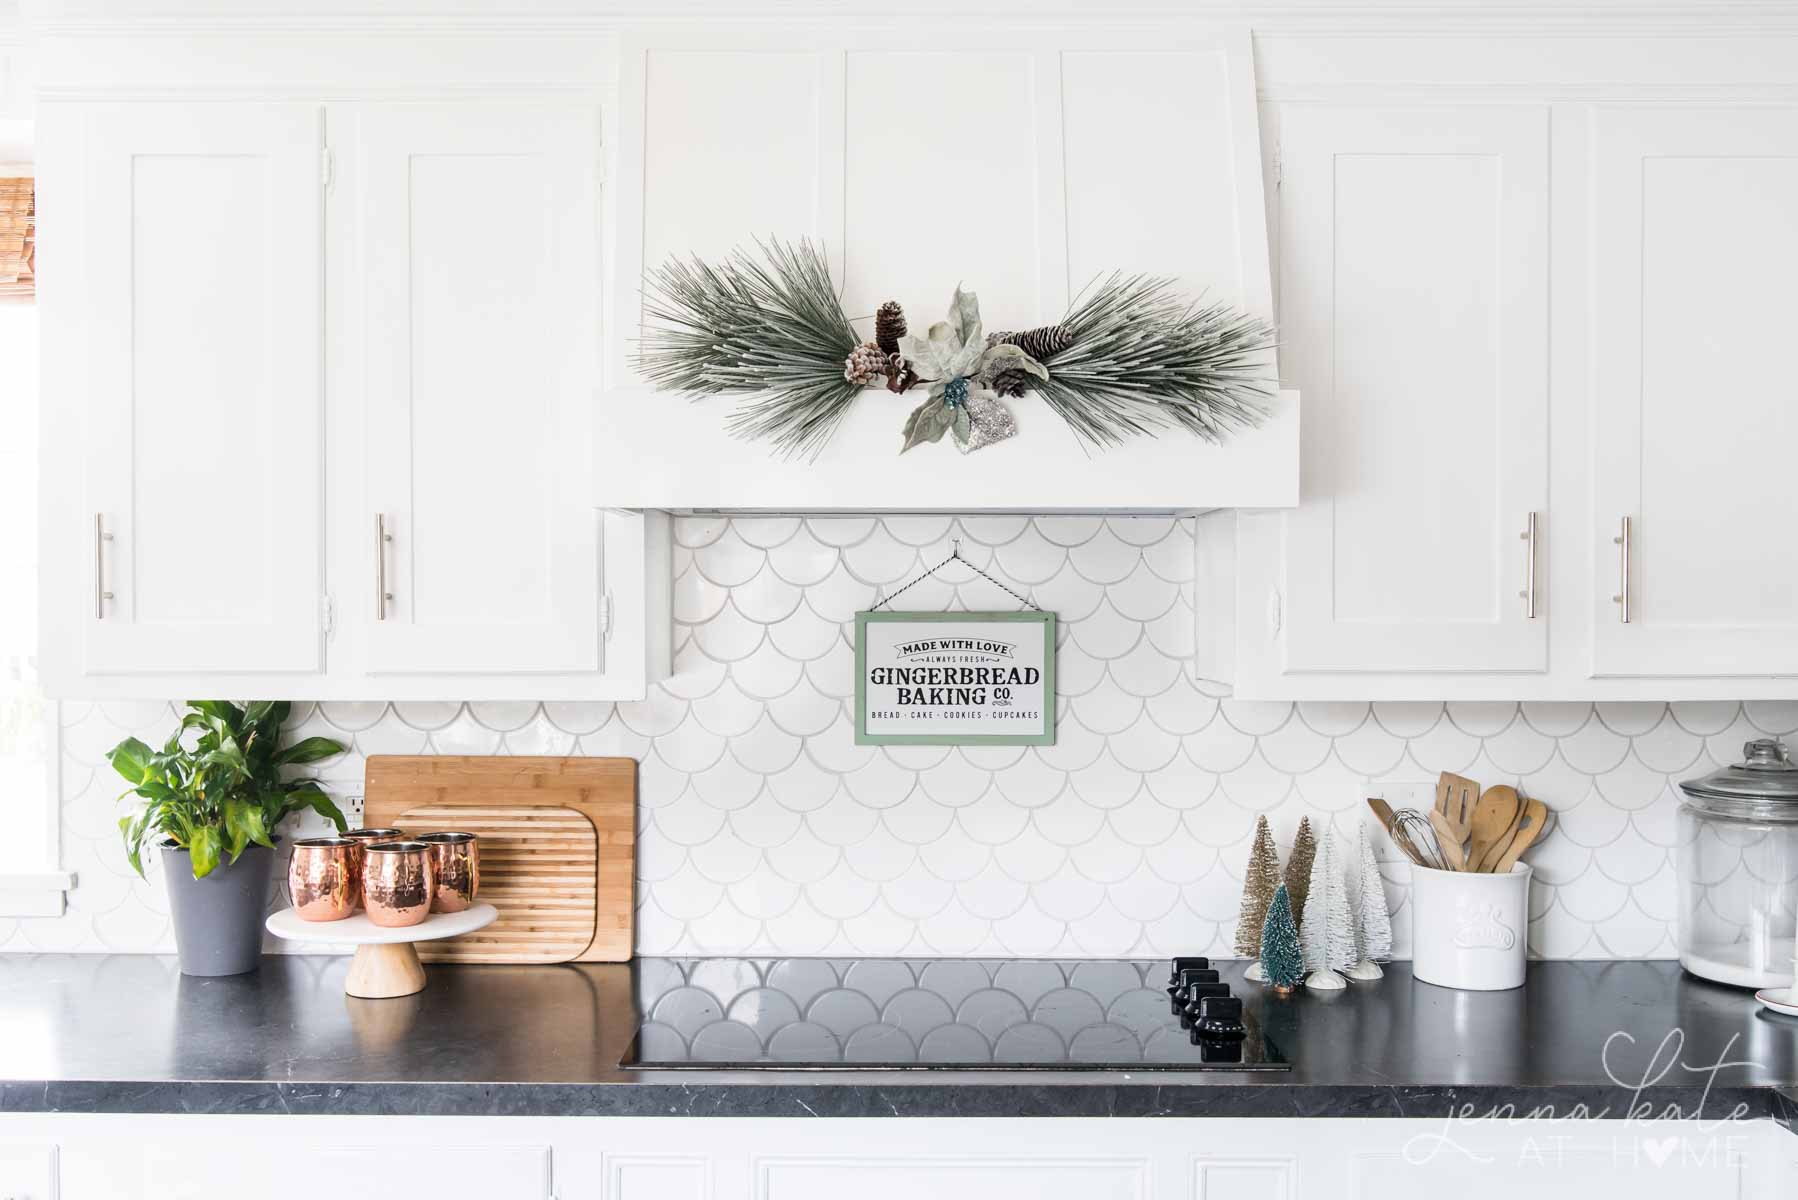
(1007, 357)
(954, 347)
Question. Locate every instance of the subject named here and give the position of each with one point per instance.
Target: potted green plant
(213, 796)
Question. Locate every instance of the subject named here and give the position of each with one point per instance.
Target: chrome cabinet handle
(101, 595)
(382, 595)
(1622, 598)
(1528, 593)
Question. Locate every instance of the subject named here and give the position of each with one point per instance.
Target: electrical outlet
(351, 806)
(1404, 793)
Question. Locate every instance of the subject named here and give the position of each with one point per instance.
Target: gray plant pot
(218, 919)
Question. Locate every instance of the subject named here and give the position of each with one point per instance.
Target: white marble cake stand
(385, 963)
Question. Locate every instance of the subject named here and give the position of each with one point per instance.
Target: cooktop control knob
(1176, 992)
(1196, 994)
(1190, 963)
(1219, 1017)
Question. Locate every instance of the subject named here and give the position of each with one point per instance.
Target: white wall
(764, 829)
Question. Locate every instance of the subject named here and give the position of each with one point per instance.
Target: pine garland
(769, 325)
(1131, 357)
(1141, 359)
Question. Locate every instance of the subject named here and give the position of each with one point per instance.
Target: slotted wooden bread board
(539, 867)
(603, 790)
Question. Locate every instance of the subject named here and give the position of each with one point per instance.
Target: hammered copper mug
(362, 838)
(323, 879)
(456, 865)
(397, 883)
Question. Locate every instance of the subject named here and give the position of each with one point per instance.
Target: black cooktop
(934, 1014)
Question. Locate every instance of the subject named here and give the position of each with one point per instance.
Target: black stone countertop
(129, 1034)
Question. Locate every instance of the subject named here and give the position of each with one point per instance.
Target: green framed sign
(954, 679)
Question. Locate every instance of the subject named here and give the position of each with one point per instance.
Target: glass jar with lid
(1738, 870)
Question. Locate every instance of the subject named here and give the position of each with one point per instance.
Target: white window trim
(41, 892)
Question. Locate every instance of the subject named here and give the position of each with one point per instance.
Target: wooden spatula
(1494, 821)
(1530, 825)
(1382, 810)
(1452, 818)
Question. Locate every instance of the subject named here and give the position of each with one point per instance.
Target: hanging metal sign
(955, 678)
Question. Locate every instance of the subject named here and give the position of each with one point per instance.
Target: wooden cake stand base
(385, 964)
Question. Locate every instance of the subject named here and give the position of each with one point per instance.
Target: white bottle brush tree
(1328, 930)
(1373, 925)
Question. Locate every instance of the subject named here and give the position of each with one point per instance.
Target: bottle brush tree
(1260, 879)
(1373, 924)
(1282, 961)
(1298, 869)
(1327, 930)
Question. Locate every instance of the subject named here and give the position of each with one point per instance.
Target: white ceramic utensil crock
(1470, 930)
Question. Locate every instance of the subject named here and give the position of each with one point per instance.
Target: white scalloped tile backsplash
(765, 830)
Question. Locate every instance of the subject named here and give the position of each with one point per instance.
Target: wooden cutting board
(539, 867)
(603, 790)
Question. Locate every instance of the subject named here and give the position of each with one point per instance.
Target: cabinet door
(201, 226)
(188, 1170)
(1414, 299)
(478, 286)
(28, 1172)
(1695, 420)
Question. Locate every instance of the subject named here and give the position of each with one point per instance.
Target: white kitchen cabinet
(274, 1163)
(1414, 317)
(477, 292)
(234, 400)
(1694, 248)
(27, 1171)
(191, 400)
(195, 1157)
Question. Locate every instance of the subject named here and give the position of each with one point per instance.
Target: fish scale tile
(764, 828)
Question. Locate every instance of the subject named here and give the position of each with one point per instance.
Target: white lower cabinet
(281, 1167)
(701, 1158)
(27, 1172)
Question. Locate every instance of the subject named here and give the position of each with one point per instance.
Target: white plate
(1780, 1000)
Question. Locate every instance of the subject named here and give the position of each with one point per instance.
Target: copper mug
(323, 879)
(362, 838)
(397, 883)
(456, 865)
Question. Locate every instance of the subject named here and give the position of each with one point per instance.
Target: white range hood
(1019, 165)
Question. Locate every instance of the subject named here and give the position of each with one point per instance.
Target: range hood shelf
(660, 451)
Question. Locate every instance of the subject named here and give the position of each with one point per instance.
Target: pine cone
(1012, 383)
(889, 327)
(865, 364)
(1042, 343)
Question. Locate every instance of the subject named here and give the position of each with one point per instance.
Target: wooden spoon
(1494, 821)
(1530, 825)
(1383, 811)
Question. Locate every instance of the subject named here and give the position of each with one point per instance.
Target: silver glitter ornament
(989, 421)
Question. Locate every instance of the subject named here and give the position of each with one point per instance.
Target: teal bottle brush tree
(1281, 959)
